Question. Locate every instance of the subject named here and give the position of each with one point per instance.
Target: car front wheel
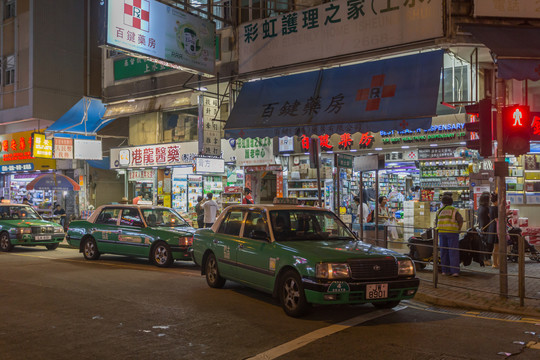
(90, 250)
(213, 279)
(5, 243)
(292, 296)
(162, 255)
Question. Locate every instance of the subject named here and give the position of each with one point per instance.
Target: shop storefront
(433, 160)
(18, 167)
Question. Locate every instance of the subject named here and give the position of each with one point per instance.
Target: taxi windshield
(163, 217)
(18, 213)
(302, 224)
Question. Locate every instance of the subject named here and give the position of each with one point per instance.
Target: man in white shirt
(210, 210)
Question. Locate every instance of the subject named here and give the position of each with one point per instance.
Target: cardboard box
(167, 135)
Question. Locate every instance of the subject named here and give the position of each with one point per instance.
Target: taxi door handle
(215, 241)
(241, 246)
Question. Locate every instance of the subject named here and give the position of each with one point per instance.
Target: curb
(498, 308)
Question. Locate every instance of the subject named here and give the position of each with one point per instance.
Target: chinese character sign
(154, 155)
(318, 32)
(41, 147)
(257, 151)
(210, 126)
(63, 148)
(161, 31)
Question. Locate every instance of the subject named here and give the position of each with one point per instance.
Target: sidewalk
(477, 288)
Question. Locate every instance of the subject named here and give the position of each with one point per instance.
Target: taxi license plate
(376, 291)
(43, 237)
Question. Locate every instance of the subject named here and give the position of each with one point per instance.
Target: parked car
(21, 225)
(154, 232)
(301, 255)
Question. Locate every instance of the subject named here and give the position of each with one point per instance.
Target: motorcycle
(513, 246)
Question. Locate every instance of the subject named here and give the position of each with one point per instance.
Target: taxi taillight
(186, 241)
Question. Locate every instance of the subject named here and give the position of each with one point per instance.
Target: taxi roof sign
(285, 201)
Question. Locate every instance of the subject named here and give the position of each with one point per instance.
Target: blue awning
(82, 121)
(399, 93)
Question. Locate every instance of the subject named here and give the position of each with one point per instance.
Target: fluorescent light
(405, 147)
(378, 149)
(202, 88)
(433, 145)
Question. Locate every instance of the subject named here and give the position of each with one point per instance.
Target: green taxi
(21, 225)
(301, 255)
(157, 233)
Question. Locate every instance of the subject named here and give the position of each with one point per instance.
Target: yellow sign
(16, 149)
(41, 147)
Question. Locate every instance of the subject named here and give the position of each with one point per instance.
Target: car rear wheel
(386, 304)
(5, 243)
(90, 250)
(162, 255)
(292, 296)
(52, 246)
(213, 279)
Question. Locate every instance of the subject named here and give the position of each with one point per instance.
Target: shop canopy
(82, 121)
(517, 49)
(53, 181)
(398, 93)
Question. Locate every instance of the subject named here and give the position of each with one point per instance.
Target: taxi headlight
(332, 271)
(405, 268)
(58, 229)
(24, 230)
(185, 241)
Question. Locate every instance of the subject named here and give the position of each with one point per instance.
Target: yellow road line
(473, 314)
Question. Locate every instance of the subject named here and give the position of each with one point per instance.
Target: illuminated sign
(87, 149)
(168, 35)
(41, 147)
(209, 165)
(154, 155)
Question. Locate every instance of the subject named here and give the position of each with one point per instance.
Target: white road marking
(319, 334)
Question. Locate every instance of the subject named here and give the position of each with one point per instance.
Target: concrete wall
(58, 66)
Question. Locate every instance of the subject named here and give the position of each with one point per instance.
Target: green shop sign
(345, 161)
(133, 67)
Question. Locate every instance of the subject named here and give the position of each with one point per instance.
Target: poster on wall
(210, 127)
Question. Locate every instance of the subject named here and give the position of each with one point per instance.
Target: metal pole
(435, 257)
(337, 186)
(377, 204)
(501, 185)
(361, 187)
(319, 181)
(521, 270)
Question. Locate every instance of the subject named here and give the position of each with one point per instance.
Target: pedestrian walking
(210, 210)
(448, 222)
(200, 212)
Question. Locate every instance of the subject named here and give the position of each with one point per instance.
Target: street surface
(56, 305)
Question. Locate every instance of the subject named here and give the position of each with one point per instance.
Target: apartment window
(9, 9)
(10, 70)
